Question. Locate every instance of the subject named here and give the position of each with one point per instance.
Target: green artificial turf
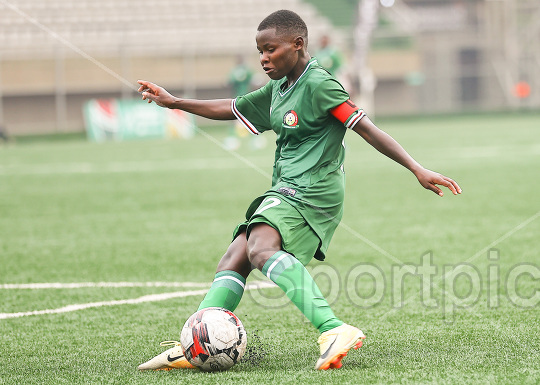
(163, 211)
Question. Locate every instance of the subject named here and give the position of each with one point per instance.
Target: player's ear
(299, 43)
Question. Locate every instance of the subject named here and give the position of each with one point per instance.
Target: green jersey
(308, 164)
(240, 79)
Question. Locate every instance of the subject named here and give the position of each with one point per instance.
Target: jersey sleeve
(347, 113)
(253, 109)
(331, 98)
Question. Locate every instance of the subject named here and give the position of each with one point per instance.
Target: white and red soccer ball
(213, 339)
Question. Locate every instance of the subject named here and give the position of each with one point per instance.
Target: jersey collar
(309, 64)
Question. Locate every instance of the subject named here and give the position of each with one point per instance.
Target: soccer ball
(213, 339)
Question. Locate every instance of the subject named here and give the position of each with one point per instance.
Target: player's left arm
(388, 146)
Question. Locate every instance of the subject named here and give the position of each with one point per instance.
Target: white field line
(132, 301)
(78, 285)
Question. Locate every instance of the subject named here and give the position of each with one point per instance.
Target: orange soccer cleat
(336, 343)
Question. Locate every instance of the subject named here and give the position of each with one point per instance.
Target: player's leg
(230, 279)
(337, 338)
(265, 253)
(226, 292)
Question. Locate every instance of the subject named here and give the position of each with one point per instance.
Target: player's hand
(154, 93)
(430, 179)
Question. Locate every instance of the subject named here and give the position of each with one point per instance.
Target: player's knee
(235, 258)
(231, 259)
(257, 257)
(264, 241)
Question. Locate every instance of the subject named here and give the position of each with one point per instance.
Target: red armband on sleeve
(347, 113)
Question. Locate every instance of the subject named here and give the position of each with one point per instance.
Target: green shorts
(297, 237)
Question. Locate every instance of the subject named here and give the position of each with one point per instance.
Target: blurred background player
(241, 83)
(3, 134)
(329, 57)
(240, 79)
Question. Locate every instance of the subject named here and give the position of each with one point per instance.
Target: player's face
(278, 53)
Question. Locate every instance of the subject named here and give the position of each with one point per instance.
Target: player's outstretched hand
(430, 179)
(154, 93)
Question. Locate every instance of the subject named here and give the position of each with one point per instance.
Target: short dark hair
(285, 22)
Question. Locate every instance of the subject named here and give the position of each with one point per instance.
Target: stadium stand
(426, 56)
(45, 47)
(33, 27)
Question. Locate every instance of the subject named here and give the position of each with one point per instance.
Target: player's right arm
(216, 109)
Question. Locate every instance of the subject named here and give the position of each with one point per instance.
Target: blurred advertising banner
(113, 119)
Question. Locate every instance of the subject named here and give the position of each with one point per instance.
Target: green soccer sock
(293, 278)
(226, 291)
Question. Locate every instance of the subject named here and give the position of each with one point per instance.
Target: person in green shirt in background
(240, 78)
(241, 82)
(329, 57)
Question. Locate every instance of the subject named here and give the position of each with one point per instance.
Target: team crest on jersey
(290, 119)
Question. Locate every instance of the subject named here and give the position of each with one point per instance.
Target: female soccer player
(293, 222)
